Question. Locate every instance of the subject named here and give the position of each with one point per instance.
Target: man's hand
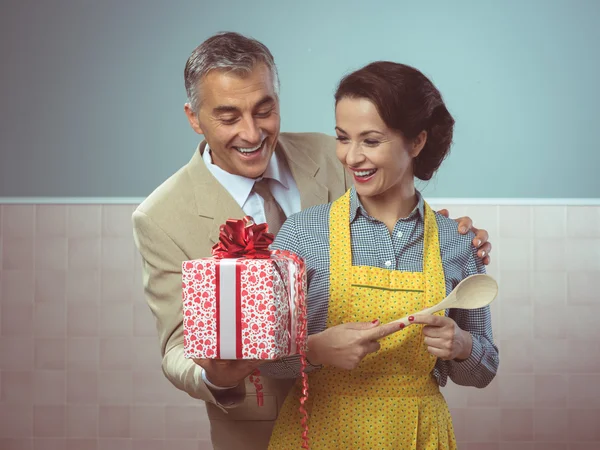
(480, 241)
(444, 338)
(227, 373)
(344, 346)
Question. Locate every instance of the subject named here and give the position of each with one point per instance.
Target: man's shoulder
(320, 148)
(309, 141)
(173, 210)
(174, 193)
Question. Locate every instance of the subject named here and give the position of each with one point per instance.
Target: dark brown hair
(408, 102)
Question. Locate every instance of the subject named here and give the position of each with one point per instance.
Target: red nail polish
(375, 321)
(401, 325)
(411, 318)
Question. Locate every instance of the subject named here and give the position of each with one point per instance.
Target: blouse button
(388, 263)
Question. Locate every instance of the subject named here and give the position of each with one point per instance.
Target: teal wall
(92, 92)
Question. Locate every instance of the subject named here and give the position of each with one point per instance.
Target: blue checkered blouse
(307, 234)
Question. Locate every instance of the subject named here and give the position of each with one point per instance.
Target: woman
(380, 252)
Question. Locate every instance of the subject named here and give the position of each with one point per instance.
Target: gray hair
(226, 51)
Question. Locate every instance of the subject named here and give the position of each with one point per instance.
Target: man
(244, 167)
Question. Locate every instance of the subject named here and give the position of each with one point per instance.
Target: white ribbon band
(293, 318)
(227, 308)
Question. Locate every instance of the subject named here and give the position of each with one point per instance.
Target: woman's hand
(444, 338)
(344, 346)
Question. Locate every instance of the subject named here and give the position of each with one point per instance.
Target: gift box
(245, 302)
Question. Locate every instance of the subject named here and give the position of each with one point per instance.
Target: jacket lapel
(213, 202)
(304, 169)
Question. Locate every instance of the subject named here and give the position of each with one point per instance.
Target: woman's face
(380, 159)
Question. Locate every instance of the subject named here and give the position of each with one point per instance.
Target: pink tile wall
(80, 368)
(546, 395)
(79, 365)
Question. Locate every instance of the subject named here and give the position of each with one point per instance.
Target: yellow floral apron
(391, 400)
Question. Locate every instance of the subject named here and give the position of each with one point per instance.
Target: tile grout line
(66, 306)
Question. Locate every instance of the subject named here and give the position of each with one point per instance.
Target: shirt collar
(240, 187)
(356, 207)
(275, 170)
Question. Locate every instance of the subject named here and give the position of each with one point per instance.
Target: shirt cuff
(310, 366)
(214, 386)
(223, 399)
(468, 366)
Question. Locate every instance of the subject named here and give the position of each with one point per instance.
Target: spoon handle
(407, 322)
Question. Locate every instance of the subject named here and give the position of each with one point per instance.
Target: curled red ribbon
(255, 379)
(301, 340)
(243, 238)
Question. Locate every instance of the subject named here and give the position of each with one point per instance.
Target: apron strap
(339, 233)
(432, 258)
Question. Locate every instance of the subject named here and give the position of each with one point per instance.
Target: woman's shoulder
(450, 237)
(459, 255)
(314, 216)
(305, 230)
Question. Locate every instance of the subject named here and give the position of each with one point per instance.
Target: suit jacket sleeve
(162, 259)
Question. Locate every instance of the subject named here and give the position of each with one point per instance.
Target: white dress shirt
(282, 184)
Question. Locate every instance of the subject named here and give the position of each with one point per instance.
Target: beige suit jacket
(180, 221)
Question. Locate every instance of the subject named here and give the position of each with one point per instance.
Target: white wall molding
(434, 201)
(516, 201)
(70, 200)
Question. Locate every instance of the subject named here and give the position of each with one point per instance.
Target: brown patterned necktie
(273, 212)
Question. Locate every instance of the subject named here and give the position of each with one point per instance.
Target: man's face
(239, 118)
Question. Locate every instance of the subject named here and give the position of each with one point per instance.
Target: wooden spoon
(475, 291)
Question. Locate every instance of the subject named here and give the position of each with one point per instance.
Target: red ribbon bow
(243, 238)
